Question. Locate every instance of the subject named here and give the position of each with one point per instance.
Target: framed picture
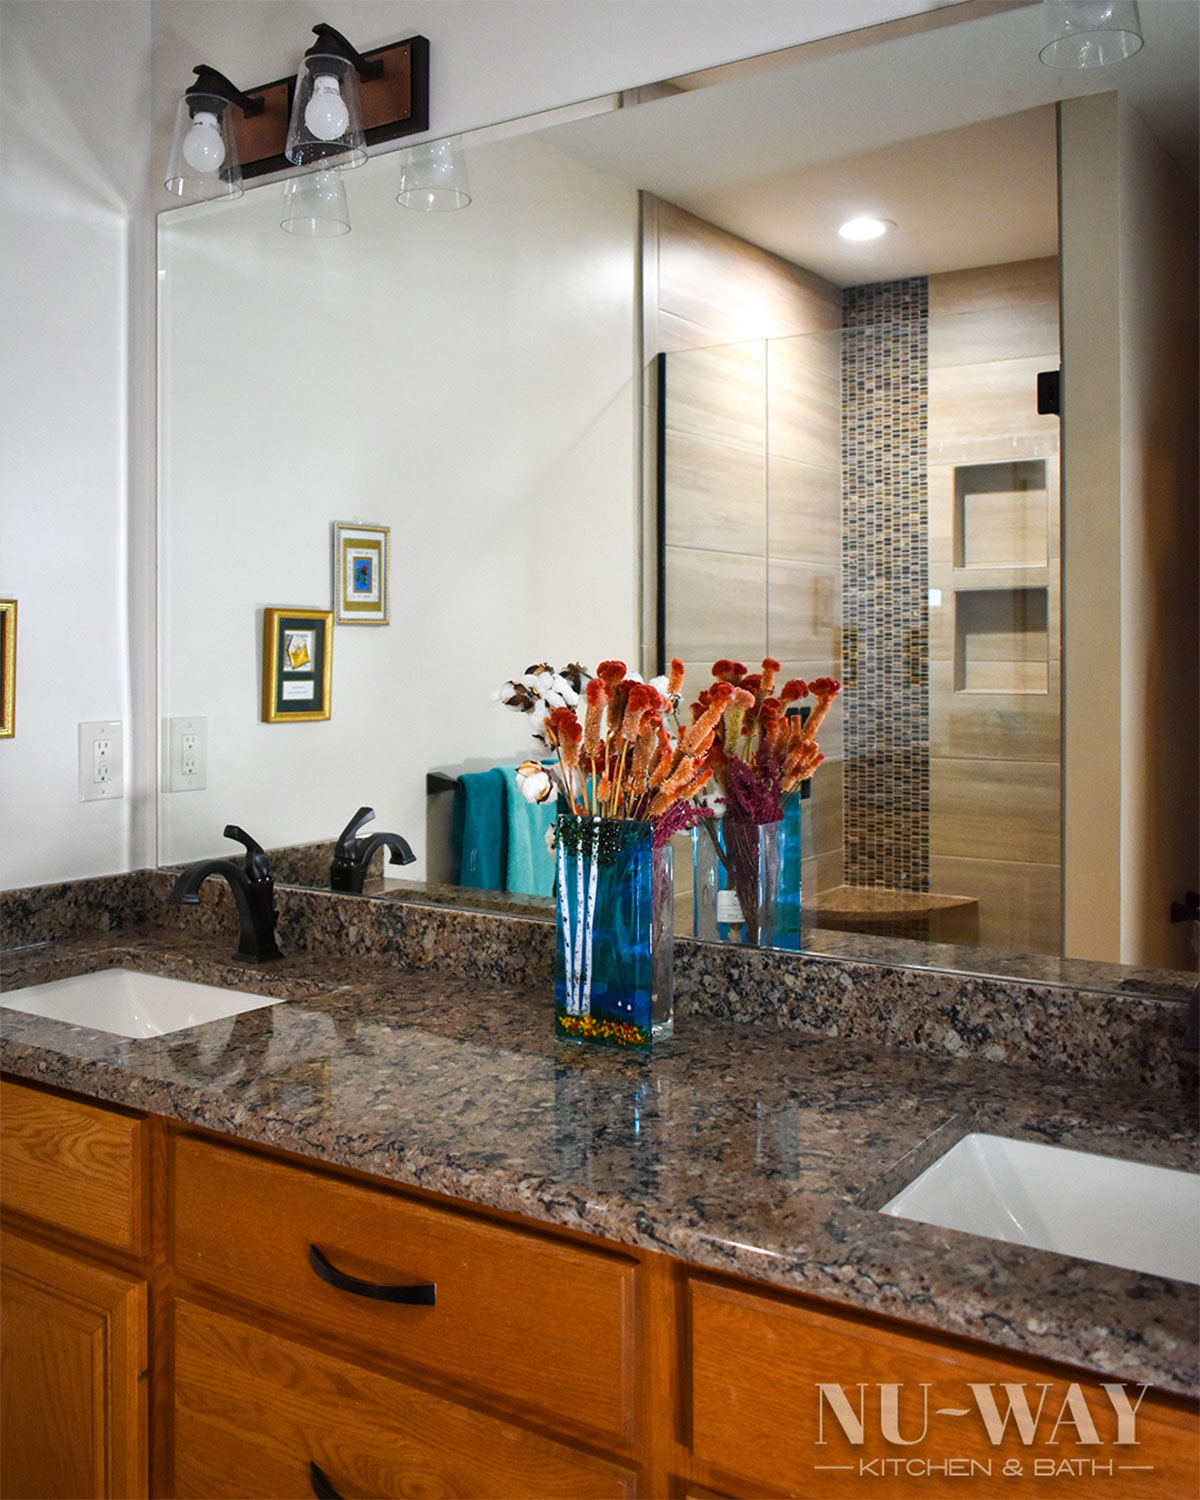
(360, 574)
(297, 664)
(8, 668)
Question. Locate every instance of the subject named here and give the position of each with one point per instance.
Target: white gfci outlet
(187, 754)
(101, 761)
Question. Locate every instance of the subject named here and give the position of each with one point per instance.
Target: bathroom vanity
(663, 1277)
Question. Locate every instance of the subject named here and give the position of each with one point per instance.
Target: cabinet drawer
(75, 1166)
(536, 1321)
(912, 1411)
(254, 1410)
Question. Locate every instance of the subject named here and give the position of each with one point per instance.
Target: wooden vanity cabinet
(73, 1298)
(544, 1364)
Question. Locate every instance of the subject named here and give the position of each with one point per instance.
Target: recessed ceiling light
(865, 228)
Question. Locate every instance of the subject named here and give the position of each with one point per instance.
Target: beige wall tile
(803, 610)
(719, 394)
(804, 419)
(822, 823)
(1020, 905)
(716, 605)
(717, 282)
(1008, 807)
(971, 406)
(1016, 283)
(995, 333)
(716, 495)
(804, 511)
(824, 873)
(992, 726)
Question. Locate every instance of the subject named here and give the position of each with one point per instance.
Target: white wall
(77, 528)
(468, 380)
(69, 245)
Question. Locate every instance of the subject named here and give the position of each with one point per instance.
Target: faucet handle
(255, 864)
(345, 842)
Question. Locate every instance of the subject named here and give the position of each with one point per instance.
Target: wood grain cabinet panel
(904, 1415)
(254, 1410)
(72, 1368)
(75, 1166)
(542, 1324)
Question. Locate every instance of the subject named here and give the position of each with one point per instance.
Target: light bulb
(203, 148)
(325, 114)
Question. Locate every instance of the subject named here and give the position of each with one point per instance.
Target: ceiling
(949, 133)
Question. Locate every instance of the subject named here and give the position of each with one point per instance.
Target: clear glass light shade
(326, 127)
(204, 155)
(314, 205)
(433, 176)
(1089, 33)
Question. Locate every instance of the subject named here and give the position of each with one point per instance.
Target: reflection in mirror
(488, 384)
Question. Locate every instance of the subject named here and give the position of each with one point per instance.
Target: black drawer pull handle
(321, 1486)
(421, 1294)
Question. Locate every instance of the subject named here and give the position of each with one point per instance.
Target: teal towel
(529, 866)
(478, 830)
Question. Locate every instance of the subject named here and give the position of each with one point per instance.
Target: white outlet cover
(177, 778)
(96, 785)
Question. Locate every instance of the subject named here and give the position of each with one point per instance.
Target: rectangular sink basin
(1123, 1213)
(127, 1002)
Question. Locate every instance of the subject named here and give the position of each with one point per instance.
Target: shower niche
(1001, 627)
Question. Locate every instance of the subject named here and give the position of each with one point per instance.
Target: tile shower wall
(752, 460)
(994, 565)
(885, 583)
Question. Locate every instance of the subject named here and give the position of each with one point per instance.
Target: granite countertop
(739, 1147)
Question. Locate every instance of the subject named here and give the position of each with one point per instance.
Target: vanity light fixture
(865, 227)
(339, 104)
(204, 161)
(433, 176)
(1089, 33)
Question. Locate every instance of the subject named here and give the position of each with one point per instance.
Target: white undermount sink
(1122, 1213)
(130, 1003)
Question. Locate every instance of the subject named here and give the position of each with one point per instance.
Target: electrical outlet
(101, 761)
(187, 754)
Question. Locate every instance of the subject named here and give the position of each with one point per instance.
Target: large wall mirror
(487, 383)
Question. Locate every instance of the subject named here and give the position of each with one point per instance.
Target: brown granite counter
(742, 1146)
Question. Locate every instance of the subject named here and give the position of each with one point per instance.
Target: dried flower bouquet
(622, 761)
(763, 749)
(762, 753)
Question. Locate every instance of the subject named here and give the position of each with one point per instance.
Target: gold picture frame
(8, 668)
(297, 674)
(361, 565)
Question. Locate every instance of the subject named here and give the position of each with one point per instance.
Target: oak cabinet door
(73, 1355)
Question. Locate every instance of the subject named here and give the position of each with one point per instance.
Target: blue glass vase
(615, 933)
(746, 881)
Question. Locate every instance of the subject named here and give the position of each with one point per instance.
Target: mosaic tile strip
(885, 582)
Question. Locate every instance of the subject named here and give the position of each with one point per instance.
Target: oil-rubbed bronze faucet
(253, 891)
(352, 855)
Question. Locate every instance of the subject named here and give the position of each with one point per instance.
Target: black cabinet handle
(420, 1294)
(321, 1486)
